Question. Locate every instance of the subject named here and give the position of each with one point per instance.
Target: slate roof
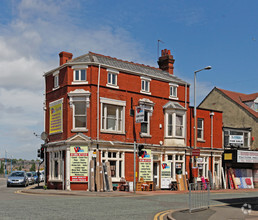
(126, 66)
(239, 98)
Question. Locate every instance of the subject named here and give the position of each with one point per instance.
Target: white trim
(77, 67)
(174, 113)
(79, 95)
(112, 101)
(117, 103)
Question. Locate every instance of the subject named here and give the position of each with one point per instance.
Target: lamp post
(195, 119)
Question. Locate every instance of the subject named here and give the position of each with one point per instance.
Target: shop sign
(145, 164)
(195, 152)
(227, 156)
(247, 156)
(56, 117)
(236, 139)
(139, 116)
(79, 163)
(165, 174)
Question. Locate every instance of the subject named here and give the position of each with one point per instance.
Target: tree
(20, 168)
(33, 167)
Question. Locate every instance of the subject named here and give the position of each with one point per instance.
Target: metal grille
(199, 196)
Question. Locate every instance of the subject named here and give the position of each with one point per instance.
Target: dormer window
(145, 85)
(112, 78)
(56, 80)
(173, 91)
(79, 74)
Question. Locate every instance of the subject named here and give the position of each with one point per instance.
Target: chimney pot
(166, 61)
(64, 57)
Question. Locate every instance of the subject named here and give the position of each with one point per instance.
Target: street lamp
(195, 119)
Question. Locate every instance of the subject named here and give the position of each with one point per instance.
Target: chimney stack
(166, 61)
(64, 57)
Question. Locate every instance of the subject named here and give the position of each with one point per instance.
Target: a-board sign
(195, 152)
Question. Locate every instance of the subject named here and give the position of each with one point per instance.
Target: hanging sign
(139, 116)
(145, 164)
(79, 163)
(165, 175)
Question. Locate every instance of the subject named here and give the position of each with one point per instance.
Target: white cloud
(29, 46)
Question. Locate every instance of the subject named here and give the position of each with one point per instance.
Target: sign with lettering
(145, 164)
(79, 163)
(195, 152)
(165, 174)
(139, 116)
(56, 117)
(247, 156)
(236, 139)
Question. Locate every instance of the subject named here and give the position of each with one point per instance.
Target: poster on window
(165, 175)
(56, 117)
(79, 164)
(145, 163)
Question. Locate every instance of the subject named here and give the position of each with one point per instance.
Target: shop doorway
(156, 173)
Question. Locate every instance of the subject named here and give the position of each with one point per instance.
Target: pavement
(221, 212)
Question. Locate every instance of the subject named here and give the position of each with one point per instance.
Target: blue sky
(222, 34)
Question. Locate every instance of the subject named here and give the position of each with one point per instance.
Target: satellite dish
(44, 136)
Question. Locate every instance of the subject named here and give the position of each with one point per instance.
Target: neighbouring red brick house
(88, 105)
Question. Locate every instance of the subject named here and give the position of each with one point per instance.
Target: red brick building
(88, 105)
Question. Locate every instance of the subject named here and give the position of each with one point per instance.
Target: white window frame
(176, 158)
(173, 91)
(147, 105)
(55, 156)
(112, 73)
(174, 113)
(119, 161)
(205, 166)
(56, 80)
(82, 96)
(79, 68)
(228, 131)
(122, 104)
(146, 134)
(145, 81)
(200, 129)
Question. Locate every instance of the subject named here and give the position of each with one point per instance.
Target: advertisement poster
(79, 163)
(145, 164)
(56, 117)
(165, 175)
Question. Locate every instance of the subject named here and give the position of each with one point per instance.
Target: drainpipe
(186, 114)
(211, 115)
(98, 105)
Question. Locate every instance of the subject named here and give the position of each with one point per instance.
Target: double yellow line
(160, 215)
